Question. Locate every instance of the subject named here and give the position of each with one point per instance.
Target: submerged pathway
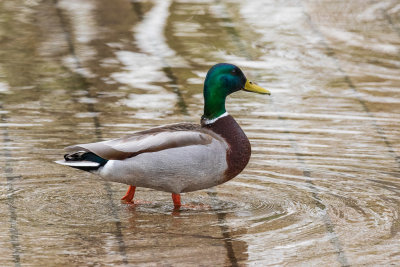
(322, 186)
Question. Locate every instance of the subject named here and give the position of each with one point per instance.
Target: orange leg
(129, 194)
(177, 200)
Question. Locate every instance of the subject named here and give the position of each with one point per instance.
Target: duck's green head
(222, 80)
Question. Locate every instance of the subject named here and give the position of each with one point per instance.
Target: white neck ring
(210, 121)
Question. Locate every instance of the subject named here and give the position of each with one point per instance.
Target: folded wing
(157, 139)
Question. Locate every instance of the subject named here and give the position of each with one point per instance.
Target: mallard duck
(180, 157)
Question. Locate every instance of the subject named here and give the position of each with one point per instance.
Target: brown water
(322, 186)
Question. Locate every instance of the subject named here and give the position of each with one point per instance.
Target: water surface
(322, 186)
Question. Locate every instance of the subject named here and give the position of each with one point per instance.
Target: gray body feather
(174, 158)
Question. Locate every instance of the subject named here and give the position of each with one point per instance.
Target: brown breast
(239, 151)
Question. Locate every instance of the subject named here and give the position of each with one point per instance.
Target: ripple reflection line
(145, 44)
(150, 37)
(227, 237)
(351, 85)
(334, 239)
(10, 176)
(90, 108)
(391, 23)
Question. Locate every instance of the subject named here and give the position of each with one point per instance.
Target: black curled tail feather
(84, 156)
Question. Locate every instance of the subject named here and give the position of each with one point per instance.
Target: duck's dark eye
(234, 72)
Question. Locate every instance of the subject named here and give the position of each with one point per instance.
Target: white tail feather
(83, 163)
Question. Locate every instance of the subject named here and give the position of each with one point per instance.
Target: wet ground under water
(323, 184)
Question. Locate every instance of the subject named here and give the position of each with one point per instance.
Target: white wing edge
(83, 163)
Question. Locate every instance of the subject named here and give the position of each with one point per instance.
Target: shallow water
(322, 186)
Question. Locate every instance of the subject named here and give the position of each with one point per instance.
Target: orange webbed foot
(129, 194)
(178, 205)
(177, 201)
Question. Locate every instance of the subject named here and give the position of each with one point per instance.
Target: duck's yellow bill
(252, 87)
